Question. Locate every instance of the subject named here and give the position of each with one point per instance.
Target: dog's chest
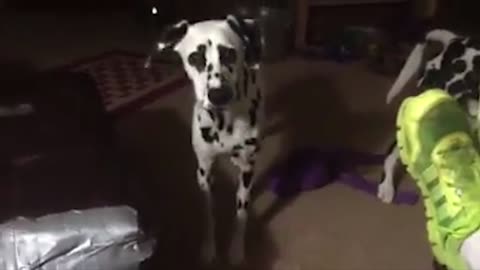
(223, 130)
(455, 69)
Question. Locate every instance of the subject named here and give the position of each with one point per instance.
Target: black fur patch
(251, 141)
(454, 50)
(230, 129)
(247, 179)
(473, 43)
(211, 114)
(197, 59)
(209, 42)
(476, 63)
(221, 120)
(242, 205)
(207, 135)
(459, 66)
(472, 80)
(434, 78)
(202, 171)
(245, 81)
(228, 56)
(209, 67)
(253, 115)
(237, 147)
(457, 87)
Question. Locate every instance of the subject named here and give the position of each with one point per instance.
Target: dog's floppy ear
(171, 35)
(249, 31)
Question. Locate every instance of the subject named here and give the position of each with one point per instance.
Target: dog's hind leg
(244, 159)
(386, 189)
(470, 251)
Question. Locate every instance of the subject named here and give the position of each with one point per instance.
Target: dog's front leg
(386, 189)
(244, 159)
(205, 180)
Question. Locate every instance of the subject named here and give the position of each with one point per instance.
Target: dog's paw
(208, 252)
(386, 192)
(236, 254)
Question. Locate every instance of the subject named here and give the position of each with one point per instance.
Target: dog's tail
(415, 59)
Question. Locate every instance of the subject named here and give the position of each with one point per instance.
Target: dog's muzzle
(220, 96)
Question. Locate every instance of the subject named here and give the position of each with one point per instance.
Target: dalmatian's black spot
(459, 66)
(211, 114)
(242, 204)
(217, 75)
(434, 79)
(472, 80)
(228, 56)
(221, 120)
(476, 63)
(209, 67)
(207, 135)
(199, 118)
(235, 154)
(230, 129)
(455, 50)
(202, 171)
(457, 87)
(245, 82)
(247, 178)
(251, 141)
(209, 42)
(253, 116)
(209, 77)
(197, 59)
(473, 43)
(237, 147)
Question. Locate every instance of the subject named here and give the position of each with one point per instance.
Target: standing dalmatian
(456, 68)
(221, 58)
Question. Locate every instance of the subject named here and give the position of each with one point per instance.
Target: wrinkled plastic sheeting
(95, 239)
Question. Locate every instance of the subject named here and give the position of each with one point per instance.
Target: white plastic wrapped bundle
(94, 239)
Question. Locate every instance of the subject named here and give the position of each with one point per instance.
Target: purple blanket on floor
(309, 169)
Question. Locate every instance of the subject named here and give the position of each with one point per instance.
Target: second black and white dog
(221, 58)
(456, 69)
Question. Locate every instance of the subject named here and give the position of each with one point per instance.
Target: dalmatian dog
(456, 68)
(221, 58)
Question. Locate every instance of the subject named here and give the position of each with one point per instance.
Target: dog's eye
(197, 60)
(228, 56)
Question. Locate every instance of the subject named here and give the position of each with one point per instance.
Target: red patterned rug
(125, 84)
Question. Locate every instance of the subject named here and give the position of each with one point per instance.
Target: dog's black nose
(220, 96)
